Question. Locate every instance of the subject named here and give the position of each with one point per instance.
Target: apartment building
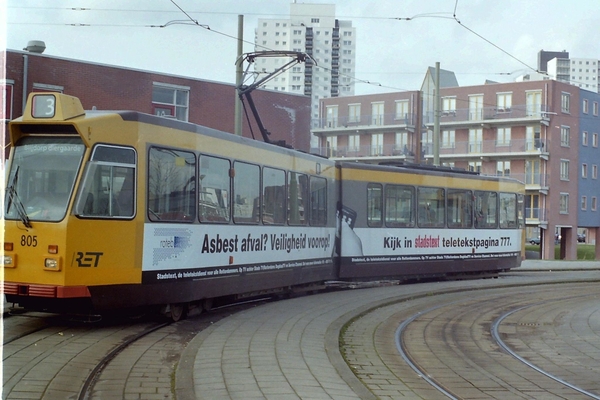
(580, 72)
(589, 161)
(314, 30)
(530, 131)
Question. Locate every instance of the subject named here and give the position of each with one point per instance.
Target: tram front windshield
(41, 178)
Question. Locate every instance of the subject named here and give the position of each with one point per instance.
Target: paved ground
(559, 265)
(290, 349)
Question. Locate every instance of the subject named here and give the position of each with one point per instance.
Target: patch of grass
(584, 251)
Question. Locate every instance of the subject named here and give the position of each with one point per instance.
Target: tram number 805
(29, 241)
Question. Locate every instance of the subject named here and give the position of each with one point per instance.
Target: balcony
(382, 152)
(533, 182)
(365, 122)
(486, 150)
(536, 216)
(489, 115)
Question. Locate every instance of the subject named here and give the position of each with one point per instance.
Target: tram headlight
(52, 264)
(9, 261)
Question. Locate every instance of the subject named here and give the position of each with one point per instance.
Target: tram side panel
(109, 246)
(230, 245)
(380, 238)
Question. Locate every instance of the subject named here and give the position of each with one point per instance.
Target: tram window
(508, 210)
(297, 198)
(485, 210)
(431, 212)
(171, 185)
(108, 188)
(246, 191)
(374, 204)
(399, 206)
(521, 211)
(114, 155)
(318, 201)
(273, 196)
(460, 208)
(214, 184)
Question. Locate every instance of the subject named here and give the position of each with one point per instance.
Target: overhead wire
(191, 21)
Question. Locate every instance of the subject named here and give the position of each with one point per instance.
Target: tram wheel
(178, 311)
(207, 304)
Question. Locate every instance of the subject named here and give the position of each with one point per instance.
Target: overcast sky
(477, 39)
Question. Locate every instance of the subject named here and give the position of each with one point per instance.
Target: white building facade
(580, 72)
(313, 29)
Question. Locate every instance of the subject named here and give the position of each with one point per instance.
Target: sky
(396, 40)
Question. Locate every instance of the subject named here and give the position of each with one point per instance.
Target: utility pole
(436, 117)
(239, 74)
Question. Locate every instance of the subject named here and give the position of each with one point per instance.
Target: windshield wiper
(13, 197)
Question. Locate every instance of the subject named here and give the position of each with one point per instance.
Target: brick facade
(107, 87)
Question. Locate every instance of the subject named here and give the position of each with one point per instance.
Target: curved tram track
(53, 357)
(514, 342)
(452, 334)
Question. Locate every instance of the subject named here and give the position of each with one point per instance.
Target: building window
(565, 135)
(533, 101)
(583, 202)
(402, 110)
(595, 109)
(594, 171)
(475, 107)
(475, 166)
(354, 113)
(377, 144)
(564, 203)
(354, 143)
(475, 140)
(332, 116)
(585, 106)
(448, 106)
(564, 170)
(7, 101)
(584, 138)
(448, 140)
(565, 102)
(331, 144)
(503, 102)
(594, 203)
(401, 145)
(532, 172)
(170, 101)
(503, 168)
(584, 171)
(595, 139)
(503, 138)
(377, 113)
